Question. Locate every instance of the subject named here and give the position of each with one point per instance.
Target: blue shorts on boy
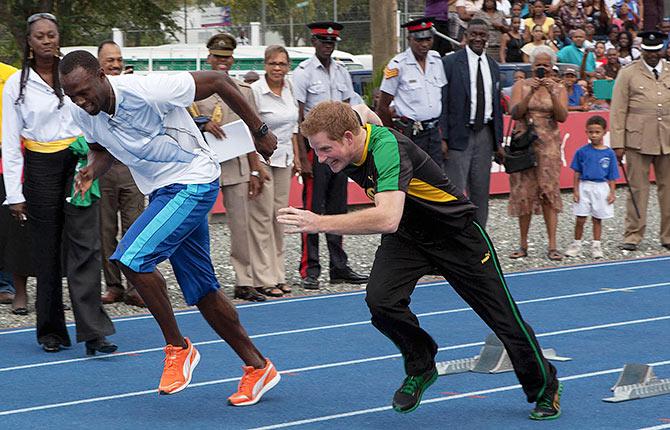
(596, 167)
(174, 226)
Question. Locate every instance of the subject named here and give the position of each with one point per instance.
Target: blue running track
(338, 372)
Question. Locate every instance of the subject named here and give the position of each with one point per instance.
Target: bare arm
(304, 162)
(366, 115)
(559, 98)
(519, 100)
(209, 82)
(384, 217)
(99, 162)
(297, 162)
(503, 47)
(383, 109)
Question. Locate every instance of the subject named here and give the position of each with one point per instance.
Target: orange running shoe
(179, 365)
(254, 383)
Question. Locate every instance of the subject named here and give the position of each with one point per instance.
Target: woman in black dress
(511, 44)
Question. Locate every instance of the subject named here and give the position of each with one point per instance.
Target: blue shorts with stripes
(174, 226)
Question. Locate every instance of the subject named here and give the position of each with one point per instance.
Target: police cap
(328, 31)
(222, 45)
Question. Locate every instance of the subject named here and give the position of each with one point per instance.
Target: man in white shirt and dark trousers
(471, 121)
(315, 80)
(413, 80)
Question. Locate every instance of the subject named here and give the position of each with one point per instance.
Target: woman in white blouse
(36, 113)
(279, 110)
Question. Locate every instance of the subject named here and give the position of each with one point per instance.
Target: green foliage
(278, 14)
(89, 22)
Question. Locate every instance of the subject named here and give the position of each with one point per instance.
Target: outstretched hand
(83, 181)
(298, 220)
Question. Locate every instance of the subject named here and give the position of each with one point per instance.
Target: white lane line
(329, 327)
(446, 398)
(322, 366)
(658, 427)
(358, 293)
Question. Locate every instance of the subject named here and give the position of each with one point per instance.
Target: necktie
(479, 107)
(656, 74)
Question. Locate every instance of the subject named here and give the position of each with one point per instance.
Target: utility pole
(383, 31)
(263, 20)
(185, 23)
(335, 10)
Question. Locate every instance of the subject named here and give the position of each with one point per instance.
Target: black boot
(101, 345)
(346, 276)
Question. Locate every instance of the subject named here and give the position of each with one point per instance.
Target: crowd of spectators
(595, 37)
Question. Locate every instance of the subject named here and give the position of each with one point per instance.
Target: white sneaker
(597, 251)
(574, 249)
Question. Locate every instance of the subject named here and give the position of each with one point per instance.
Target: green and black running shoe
(548, 407)
(408, 396)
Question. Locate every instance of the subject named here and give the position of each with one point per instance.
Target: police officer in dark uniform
(315, 80)
(413, 80)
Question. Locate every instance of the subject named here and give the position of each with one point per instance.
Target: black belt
(489, 122)
(410, 127)
(430, 123)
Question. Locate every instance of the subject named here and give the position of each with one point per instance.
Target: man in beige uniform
(640, 117)
(241, 177)
(119, 195)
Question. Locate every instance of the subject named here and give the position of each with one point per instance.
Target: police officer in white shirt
(413, 80)
(315, 80)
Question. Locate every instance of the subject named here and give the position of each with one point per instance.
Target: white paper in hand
(238, 141)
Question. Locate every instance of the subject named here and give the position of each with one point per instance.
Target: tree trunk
(383, 30)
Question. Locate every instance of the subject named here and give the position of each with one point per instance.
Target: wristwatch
(262, 131)
(255, 173)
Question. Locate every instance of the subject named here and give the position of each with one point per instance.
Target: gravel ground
(361, 249)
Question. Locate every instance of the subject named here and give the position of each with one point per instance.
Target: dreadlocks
(29, 63)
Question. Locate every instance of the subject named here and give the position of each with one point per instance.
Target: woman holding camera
(539, 103)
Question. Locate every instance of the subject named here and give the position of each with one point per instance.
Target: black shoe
(311, 283)
(346, 276)
(248, 293)
(100, 345)
(548, 407)
(408, 396)
(666, 245)
(51, 345)
(628, 247)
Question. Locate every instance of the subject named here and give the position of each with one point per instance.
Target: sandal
(519, 253)
(270, 291)
(554, 255)
(249, 294)
(285, 288)
(20, 311)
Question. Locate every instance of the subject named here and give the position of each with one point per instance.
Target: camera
(539, 72)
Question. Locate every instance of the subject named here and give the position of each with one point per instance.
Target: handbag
(519, 153)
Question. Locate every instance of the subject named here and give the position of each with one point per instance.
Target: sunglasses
(42, 15)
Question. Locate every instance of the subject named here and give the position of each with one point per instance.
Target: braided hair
(29, 63)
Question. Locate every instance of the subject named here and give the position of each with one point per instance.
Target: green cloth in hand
(80, 148)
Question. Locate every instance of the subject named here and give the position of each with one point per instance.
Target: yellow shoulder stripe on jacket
(423, 190)
(390, 73)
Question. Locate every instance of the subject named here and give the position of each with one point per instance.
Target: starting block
(492, 358)
(638, 381)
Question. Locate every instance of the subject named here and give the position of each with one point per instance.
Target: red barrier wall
(573, 136)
